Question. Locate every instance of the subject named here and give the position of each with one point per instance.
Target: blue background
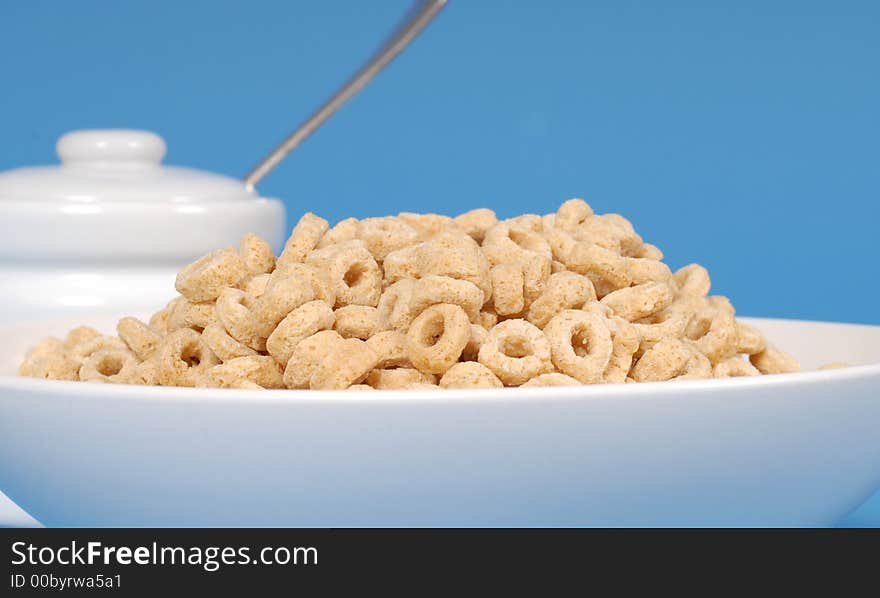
(742, 135)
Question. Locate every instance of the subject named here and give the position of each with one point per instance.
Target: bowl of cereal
(435, 371)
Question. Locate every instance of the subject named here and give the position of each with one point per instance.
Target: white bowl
(790, 450)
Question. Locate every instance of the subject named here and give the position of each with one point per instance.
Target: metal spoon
(421, 13)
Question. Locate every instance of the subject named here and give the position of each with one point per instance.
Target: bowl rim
(78, 390)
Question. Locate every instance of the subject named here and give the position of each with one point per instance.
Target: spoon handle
(417, 18)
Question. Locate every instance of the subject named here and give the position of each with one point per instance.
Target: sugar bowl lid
(111, 196)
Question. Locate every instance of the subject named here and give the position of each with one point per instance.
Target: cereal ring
(347, 363)
(238, 320)
(580, 344)
(397, 378)
(561, 243)
(476, 222)
(552, 379)
(714, 332)
(352, 272)
(48, 346)
(692, 279)
(606, 269)
(304, 321)
(41, 362)
(548, 222)
(536, 274)
(472, 349)
(108, 365)
(507, 288)
(625, 341)
(437, 337)
(316, 278)
(283, 295)
(345, 230)
(456, 255)
(258, 370)
(357, 321)
(610, 231)
(183, 358)
(506, 242)
(78, 335)
(734, 367)
(643, 270)
(646, 251)
(146, 373)
(255, 286)
(773, 361)
(306, 357)
(640, 301)
(159, 320)
(256, 254)
(427, 225)
(572, 214)
(469, 374)
(203, 279)
(84, 349)
(488, 317)
(140, 338)
(305, 236)
(222, 345)
(402, 264)
(749, 339)
(185, 314)
(384, 235)
(564, 290)
(668, 323)
(390, 346)
(516, 351)
(394, 305)
(433, 290)
(671, 359)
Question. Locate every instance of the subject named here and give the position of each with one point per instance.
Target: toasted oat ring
(307, 356)
(305, 236)
(625, 340)
(773, 361)
(222, 345)
(734, 367)
(357, 321)
(108, 365)
(139, 337)
(476, 222)
(394, 305)
(572, 214)
(79, 335)
(507, 288)
(640, 301)
(692, 279)
(256, 254)
(469, 374)
(82, 350)
(186, 314)
(471, 350)
(283, 295)
(668, 323)
(260, 371)
(384, 235)
(238, 320)
(552, 379)
(344, 230)
(352, 271)
(749, 339)
(304, 321)
(49, 360)
(203, 279)
(437, 337)
(516, 351)
(183, 358)
(671, 359)
(565, 290)
(347, 363)
(606, 269)
(397, 378)
(432, 290)
(390, 346)
(581, 344)
(720, 339)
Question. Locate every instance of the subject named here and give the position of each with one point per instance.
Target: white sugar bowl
(108, 229)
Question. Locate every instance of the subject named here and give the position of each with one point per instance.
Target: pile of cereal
(426, 301)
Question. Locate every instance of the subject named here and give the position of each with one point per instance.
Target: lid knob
(103, 146)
